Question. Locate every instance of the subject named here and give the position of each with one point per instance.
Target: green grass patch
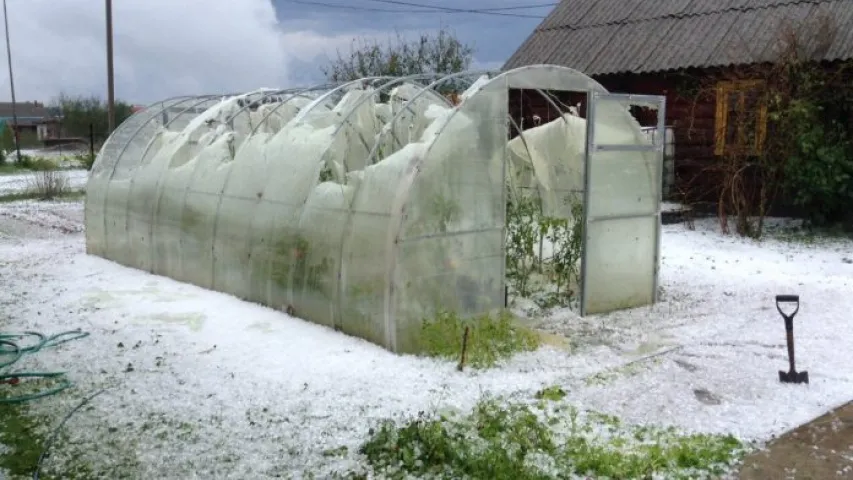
(27, 164)
(23, 437)
(808, 235)
(491, 338)
(516, 441)
(11, 169)
(552, 393)
(31, 195)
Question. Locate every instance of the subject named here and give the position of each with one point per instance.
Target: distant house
(33, 120)
(669, 47)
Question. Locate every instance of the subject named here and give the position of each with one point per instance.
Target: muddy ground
(822, 449)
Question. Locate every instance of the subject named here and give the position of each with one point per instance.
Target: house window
(741, 119)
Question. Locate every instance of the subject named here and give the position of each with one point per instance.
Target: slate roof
(601, 37)
(28, 113)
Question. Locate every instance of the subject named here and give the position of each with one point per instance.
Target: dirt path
(822, 449)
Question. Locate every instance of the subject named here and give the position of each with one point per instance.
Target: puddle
(265, 327)
(193, 320)
(100, 298)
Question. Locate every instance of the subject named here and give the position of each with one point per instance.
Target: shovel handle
(789, 317)
(792, 363)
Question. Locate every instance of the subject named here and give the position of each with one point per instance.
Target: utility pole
(111, 101)
(12, 84)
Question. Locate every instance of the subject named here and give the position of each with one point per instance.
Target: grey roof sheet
(24, 109)
(613, 36)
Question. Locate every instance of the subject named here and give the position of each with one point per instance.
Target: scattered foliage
(530, 273)
(552, 393)
(492, 338)
(516, 441)
(442, 52)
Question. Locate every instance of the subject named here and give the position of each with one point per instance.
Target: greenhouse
(373, 205)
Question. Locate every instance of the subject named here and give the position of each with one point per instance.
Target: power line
(483, 11)
(423, 8)
(352, 7)
(518, 7)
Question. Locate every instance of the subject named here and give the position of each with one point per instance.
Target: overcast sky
(166, 48)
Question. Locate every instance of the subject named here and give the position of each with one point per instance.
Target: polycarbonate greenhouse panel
(367, 207)
(622, 205)
(99, 179)
(448, 251)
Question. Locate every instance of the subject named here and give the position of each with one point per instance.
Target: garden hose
(56, 431)
(10, 347)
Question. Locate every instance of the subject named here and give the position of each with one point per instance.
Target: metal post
(591, 101)
(92, 141)
(12, 85)
(660, 158)
(111, 112)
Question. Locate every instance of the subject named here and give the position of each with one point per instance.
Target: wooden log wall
(525, 105)
(693, 121)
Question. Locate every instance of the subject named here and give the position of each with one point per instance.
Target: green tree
(78, 112)
(441, 52)
(7, 138)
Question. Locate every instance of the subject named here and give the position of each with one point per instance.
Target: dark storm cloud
(494, 37)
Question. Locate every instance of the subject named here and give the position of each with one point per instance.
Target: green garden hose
(11, 350)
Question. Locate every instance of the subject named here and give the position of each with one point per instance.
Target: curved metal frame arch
(101, 174)
(521, 133)
(324, 97)
(164, 105)
(340, 124)
(347, 230)
(346, 118)
(300, 93)
(408, 106)
(425, 90)
(146, 111)
(157, 185)
(269, 93)
(228, 178)
(202, 99)
(180, 101)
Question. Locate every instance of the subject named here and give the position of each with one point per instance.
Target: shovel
(792, 375)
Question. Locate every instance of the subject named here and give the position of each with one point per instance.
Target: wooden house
(694, 53)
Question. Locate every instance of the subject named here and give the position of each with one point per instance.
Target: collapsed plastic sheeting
(366, 207)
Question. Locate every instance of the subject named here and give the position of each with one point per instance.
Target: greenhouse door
(622, 195)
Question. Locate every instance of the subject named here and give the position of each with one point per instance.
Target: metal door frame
(657, 146)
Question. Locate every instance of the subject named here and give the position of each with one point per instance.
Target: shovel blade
(793, 377)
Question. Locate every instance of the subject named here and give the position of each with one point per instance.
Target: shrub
(87, 160)
(50, 183)
(819, 167)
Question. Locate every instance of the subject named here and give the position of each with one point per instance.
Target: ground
(818, 450)
(200, 383)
